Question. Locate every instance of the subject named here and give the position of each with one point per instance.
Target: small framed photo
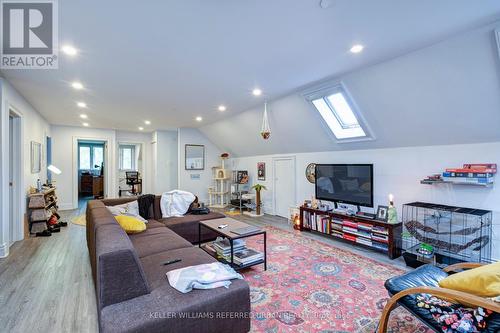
(382, 213)
(261, 171)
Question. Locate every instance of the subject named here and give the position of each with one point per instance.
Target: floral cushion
(453, 317)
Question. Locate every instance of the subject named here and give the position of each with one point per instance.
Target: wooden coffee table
(228, 233)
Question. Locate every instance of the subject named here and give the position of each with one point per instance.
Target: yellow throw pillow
(130, 224)
(483, 281)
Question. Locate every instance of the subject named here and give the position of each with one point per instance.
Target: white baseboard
(4, 250)
(66, 206)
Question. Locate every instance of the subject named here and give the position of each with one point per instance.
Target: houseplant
(258, 188)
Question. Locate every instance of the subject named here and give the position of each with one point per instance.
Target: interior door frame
(292, 158)
(143, 166)
(107, 165)
(18, 177)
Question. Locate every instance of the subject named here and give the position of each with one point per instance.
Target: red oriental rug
(310, 286)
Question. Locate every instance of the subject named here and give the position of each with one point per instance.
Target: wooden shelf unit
(41, 206)
(346, 228)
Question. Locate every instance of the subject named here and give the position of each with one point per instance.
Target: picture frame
(194, 158)
(382, 213)
(36, 157)
(261, 171)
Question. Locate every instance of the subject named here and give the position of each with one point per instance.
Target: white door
(284, 185)
(11, 180)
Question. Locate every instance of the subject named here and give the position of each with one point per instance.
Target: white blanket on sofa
(175, 203)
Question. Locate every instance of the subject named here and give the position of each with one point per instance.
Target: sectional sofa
(133, 293)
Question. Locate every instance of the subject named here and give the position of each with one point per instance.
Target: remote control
(222, 226)
(173, 261)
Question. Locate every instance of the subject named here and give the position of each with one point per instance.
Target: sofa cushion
(483, 281)
(154, 224)
(187, 226)
(130, 224)
(157, 240)
(213, 310)
(155, 271)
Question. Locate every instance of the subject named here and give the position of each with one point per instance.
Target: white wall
(33, 128)
(212, 158)
(399, 171)
(64, 156)
(165, 161)
(443, 94)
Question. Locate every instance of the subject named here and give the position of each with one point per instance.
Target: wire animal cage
(445, 234)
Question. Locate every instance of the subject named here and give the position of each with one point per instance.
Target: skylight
(337, 111)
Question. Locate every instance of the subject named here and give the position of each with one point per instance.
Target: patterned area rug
(310, 286)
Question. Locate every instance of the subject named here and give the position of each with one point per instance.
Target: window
(90, 155)
(338, 112)
(98, 156)
(127, 157)
(84, 158)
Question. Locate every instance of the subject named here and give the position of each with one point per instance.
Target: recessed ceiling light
(257, 92)
(357, 48)
(69, 50)
(199, 118)
(85, 124)
(83, 116)
(222, 108)
(147, 122)
(77, 85)
(141, 128)
(81, 104)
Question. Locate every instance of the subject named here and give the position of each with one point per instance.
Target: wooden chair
(458, 296)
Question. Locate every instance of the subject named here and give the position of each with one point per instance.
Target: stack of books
(380, 238)
(247, 257)
(378, 245)
(336, 227)
(472, 174)
(223, 247)
(241, 255)
(350, 227)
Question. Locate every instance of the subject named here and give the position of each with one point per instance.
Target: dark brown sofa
(133, 293)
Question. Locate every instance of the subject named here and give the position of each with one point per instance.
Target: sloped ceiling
(170, 61)
(444, 94)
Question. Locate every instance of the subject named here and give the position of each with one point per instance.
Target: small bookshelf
(364, 232)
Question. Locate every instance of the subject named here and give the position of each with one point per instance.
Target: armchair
(425, 280)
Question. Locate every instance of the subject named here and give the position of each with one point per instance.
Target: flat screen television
(345, 183)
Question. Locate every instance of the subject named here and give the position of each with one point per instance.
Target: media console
(365, 232)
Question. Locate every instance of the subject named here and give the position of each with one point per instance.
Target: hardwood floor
(46, 283)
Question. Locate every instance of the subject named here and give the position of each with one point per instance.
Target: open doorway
(130, 168)
(91, 170)
(16, 222)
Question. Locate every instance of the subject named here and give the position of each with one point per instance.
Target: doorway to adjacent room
(91, 170)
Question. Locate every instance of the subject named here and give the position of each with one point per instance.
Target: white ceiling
(170, 61)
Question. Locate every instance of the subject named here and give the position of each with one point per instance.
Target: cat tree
(218, 193)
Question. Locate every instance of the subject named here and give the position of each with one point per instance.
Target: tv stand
(362, 231)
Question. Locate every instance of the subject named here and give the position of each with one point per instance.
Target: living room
(321, 166)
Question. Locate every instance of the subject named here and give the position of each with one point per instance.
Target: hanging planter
(266, 130)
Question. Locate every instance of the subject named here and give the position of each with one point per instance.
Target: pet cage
(445, 234)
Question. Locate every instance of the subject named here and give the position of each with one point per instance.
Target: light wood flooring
(46, 283)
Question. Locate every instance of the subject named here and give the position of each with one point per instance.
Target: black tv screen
(345, 183)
